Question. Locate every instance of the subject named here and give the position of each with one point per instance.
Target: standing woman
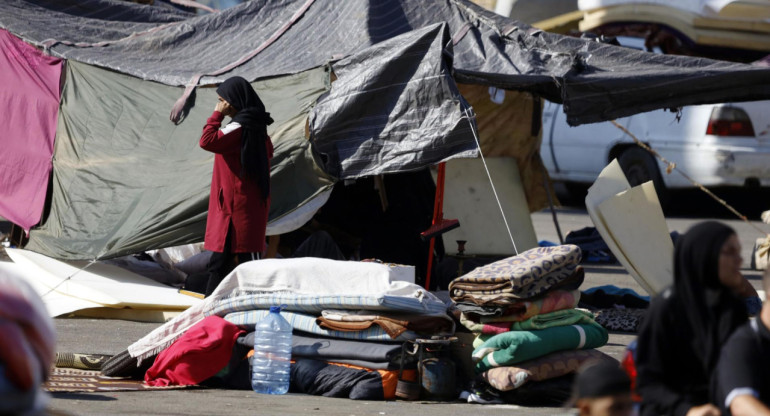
(687, 324)
(240, 187)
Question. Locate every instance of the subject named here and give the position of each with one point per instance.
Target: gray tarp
(394, 107)
(594, 81)
(126, 179)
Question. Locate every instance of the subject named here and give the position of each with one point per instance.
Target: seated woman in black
(687, 324)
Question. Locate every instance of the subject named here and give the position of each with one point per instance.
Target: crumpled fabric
(199, 354)
(27, 343)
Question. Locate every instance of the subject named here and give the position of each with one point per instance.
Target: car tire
(574, 194)
(639, 167)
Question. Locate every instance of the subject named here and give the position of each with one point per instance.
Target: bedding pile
(528, 329)
(350, 320)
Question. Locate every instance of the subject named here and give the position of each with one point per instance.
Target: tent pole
(438, 214)
(548, 190)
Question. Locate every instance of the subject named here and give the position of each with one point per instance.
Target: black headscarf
(253, 118)
(711, 308)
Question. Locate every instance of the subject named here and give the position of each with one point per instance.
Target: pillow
(549, 366)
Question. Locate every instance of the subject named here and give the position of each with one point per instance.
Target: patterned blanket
(624, 320)
(522, 309)
(523, 276)
(71, 380)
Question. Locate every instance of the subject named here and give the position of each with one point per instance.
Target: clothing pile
(523, 312)
(349, 319)
(614, 308)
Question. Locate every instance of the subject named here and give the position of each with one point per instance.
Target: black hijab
(712, 310)
(253, 118)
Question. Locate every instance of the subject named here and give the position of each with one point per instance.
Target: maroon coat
(233, 199)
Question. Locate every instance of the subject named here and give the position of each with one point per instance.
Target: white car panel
(578, 154)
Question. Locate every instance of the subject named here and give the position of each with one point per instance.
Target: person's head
(709, 255)
(237, 92)
(707, 283)
(247, 109)
(602, 389)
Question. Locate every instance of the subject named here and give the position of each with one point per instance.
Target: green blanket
(555, 318)
(517, 346)
(547, 320)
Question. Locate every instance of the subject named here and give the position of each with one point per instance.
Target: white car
(715, 144)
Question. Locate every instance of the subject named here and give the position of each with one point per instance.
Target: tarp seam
(176, 110)
(49, 43)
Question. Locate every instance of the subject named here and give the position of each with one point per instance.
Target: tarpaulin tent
(595, 81)
(126, 179)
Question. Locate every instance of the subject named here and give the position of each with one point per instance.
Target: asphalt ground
(99, 336)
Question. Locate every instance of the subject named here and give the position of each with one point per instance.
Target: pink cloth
(555, 300)
(199, 354)
(495, 328)
(29, 107)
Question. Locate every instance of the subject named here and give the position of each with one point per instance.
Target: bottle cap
(275, 309)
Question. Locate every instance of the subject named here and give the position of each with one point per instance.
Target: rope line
(494, 191)
(69, 277)
(671, 166)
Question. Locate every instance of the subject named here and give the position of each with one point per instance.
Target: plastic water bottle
(271, 364)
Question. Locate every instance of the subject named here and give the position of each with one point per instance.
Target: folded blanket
(393, 323)
(392, 327)
(547, 320)
(307, 323)
(543, 368)
(523, 276)
(516, 346)
(334, 349)
(558, 318)
(482, 298)
(420, 302)
(523, 309)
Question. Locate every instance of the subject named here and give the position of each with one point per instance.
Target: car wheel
(574, 194)
(639, 167)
